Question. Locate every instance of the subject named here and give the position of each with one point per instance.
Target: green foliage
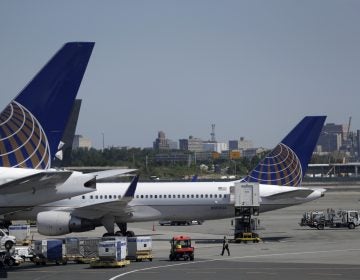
(144, 160)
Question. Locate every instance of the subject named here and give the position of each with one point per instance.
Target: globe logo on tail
(23, 142)
(280, 167)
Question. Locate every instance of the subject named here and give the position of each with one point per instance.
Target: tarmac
(288, 251)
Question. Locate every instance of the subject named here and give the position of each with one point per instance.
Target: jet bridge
(246, 197)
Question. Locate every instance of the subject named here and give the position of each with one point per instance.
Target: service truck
(331, 218)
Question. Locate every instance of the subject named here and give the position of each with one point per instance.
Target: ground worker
(225, 246)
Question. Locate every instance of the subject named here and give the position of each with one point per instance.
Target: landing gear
(123, 228)
(122, 232)
(130, 233)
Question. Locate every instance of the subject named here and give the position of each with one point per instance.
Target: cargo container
(49, 250)
(113, 250)
(247, 195)
(21, 232)
(80, 250)
(139, 248)
(72, 247)
(88, 248)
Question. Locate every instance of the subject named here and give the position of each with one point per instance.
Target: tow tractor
(181, 248)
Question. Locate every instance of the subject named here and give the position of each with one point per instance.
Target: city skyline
(328, 129)
(252, 68)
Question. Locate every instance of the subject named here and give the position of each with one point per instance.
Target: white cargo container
(139, 247)
(21, 232)
(113, 250)
(247, 195)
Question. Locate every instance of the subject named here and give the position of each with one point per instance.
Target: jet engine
(57, 223)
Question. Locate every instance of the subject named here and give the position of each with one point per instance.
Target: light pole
(103, 140)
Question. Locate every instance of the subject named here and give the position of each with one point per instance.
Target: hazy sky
(254, 68)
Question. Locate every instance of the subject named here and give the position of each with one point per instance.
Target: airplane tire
(130, 233)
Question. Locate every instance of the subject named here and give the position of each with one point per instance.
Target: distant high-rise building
(81, 142)
(215, 147)
(173, 145)
(241, 144)
(191, 144)
(332, 137)
(233, 145)
(161, 143)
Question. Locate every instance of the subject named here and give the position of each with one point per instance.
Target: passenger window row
(174, 196)
(103, 196)
(179, 196)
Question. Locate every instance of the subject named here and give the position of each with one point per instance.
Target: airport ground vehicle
(6, 241)
(181, 248)
(247, 237)
(8, 259)
(331, 218)
(180, 223)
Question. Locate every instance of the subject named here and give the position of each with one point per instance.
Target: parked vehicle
(331, 218)
(180, 223)
(6, 241)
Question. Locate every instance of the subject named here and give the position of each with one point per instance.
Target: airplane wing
(302, 193)
(116, 208)
(110, 173)
(38, 181)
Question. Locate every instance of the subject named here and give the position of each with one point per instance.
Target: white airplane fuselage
(169, 201)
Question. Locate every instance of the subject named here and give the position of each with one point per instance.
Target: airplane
(31, 127)
(279, 176)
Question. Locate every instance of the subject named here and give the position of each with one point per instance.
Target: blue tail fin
(32, 125)
(287, 163)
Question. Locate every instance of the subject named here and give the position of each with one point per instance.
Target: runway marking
(200, 272)
(260, 272)
(326, 274)
(232, 258)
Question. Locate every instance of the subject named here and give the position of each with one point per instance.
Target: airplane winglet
(132, 188)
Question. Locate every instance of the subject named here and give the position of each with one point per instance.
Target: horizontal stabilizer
(35, 182)
(110, 173)
(301, 193)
